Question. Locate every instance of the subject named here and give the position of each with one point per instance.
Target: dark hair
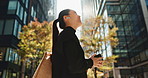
(61, 24)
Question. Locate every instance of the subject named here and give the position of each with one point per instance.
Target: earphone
(67, 17)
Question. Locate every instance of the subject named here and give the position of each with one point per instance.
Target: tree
(98, 33)
(35, 39)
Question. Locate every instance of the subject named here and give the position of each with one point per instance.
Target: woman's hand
(97, 61)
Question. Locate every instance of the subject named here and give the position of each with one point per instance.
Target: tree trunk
(22, 74)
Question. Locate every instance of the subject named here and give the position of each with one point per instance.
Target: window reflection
(15, 31)
(12, 27)
(11, 56)
(20, 11)
(26, 4)
(19, 29)
(2, 53)
(132, 32)
(146, 53)
(8, 27)
(23, 1)
(1, 26)
(25, 17)
(143, 56)
(146, 3)
(12, 7)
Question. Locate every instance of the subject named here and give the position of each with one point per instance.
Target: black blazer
(68, 56)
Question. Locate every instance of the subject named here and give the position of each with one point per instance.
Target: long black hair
(62, 24)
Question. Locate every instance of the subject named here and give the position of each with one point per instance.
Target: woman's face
(74, 18)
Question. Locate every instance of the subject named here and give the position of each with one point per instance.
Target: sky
(69, 4)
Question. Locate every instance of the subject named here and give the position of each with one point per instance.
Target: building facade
(94, 8)
(13, 15)
(89, 8)
(131, 18)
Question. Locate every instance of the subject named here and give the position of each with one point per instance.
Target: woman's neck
(74, 27)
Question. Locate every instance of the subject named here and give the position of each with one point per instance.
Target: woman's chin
(80, 24)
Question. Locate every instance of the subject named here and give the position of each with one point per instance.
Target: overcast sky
(69, 4)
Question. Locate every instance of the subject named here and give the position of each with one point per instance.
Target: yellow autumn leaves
(107, 64)
(98, 32)
(35, 39)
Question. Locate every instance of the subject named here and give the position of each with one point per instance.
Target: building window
(1, 56)
(146, 3)
(124, 55)
(2, 53)
(1, 26)
(25, 17)
(15, 31)
(23, 1)
(0, 73)
(16, 59)
(133, 61)
(12, 7)
(27, 3)
(146, 53)
(8, 27)
(145, 68)
(14, 75)
(20, 11)
(19, 30)
(137, 59)
(143, 56)
(32, 11)
(35, 14)
(12, 56)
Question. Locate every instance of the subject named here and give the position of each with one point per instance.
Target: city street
(115, 30)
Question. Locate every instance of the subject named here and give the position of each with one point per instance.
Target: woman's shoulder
(66, 34)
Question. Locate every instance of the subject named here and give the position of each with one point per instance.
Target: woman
(68, 56)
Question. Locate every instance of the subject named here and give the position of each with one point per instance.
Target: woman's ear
(64, 17)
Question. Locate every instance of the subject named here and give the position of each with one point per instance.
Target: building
(88, 9)
(52, 10)
(93, 8)
(131, 18)
(13, 15)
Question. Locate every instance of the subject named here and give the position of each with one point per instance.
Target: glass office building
(93, 8)
(129, 16)
(88, 9)
(146, 3)
(13, 15)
